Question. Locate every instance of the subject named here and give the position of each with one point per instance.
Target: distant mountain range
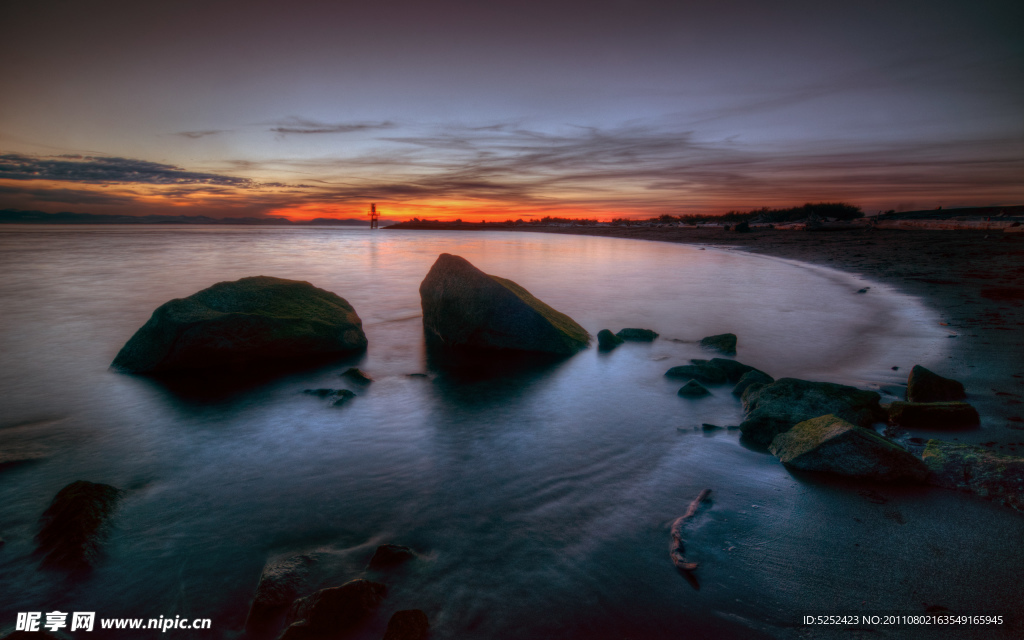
(15, 216)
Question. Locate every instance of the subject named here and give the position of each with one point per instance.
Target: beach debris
(637, 335)
(706, 373)
(357, 375)
(693, 389)
(998, 477)
(280, 583)
(332, 611)
(833, 445)
(389, 555)
(75, 524)
(465, 307)
(774, 408)
(254, 320)
(752, 380)
(723, 342)
(409, 624)
(925, 386)
(676, 549)
(933, 415)
(606, 340)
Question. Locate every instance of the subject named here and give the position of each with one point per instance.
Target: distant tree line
(822, 210)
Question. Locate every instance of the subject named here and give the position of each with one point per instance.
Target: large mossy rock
(976, 469)
(334, 611)
(75, 524)
(774, 408)
(933, 415)
(465, 307)
(833, 445)
(926, 386)
(248, 321)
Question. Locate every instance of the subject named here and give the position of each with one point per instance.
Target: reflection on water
(538, 493)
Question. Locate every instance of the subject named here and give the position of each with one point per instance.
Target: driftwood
(676, 547)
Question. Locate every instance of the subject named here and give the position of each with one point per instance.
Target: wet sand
(974, 280)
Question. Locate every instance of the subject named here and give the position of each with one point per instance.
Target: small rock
(411, 624)
(833, 445)
(607, 340)
(693, 389)
(733, 370)
(933, 415)
(417, 375)
(706, 373)
(723, 342)
(75, 524)
(342, 397)
(332, 611)
(389, 555)
(637, 335)
(357, 375)
(710, 427)
(751, 380)
(320, 393)
(280, 584)
(926, 386)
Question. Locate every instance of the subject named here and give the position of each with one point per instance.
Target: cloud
(195, 135)
(305, 126)
(69, 196)
(101, 170)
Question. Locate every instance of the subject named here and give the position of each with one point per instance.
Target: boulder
(606, 340)
(976, 469)
(75, 524)
(706, 373)
(833, 445)
(733, 370)
(751, 380)
(280, 584)
(926, 386)
(249, 321)
(774, 408)
(723, 342)
(465, 307)
(693, 389)
(933, 415)
(333, 611)
(637, 335)
(411, 624)
(389, 555)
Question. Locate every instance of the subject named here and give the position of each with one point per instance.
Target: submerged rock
(833, 445)
(933, 415)
(751, 380)
(341, 397)
(465, 307)
(411, 624)
(967, 467)
(926, 386)
(248, 321)
(723, 342)
(75, 524)
(637, 335)
(357, 375)
(389, 555)
(693, 389)
(706, 373)
(776, 407)
(333, 611)
(280, 584)
(607, 340)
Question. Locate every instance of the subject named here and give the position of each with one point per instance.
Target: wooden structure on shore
(374, 216)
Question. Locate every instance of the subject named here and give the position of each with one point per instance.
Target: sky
(445, 109)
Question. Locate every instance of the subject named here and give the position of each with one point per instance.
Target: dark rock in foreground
(607, 340)
(333, 611)
(723, 342)
(637, 335)
(75, 524)
(933, 415)
(465, 307)
(693, 389)
(976, 469)
(926, 386)
(706, 373)
(775, 408)
(248, 321)
(751, 380)
(280, 584)
(411, 624)
(833, 445)
(389, 555)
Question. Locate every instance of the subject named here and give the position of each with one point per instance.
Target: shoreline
(972, 279)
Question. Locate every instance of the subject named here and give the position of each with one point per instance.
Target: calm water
(539, 498)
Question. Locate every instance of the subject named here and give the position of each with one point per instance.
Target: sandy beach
(971, 278)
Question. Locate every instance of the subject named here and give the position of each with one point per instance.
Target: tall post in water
(374, 216)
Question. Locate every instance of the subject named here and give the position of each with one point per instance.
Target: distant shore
(973, 279)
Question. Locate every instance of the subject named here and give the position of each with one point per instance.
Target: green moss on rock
(976, 469)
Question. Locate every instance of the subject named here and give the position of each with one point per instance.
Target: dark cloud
(195, 135)
(306, 126)
(100, 170)
(67, 196)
